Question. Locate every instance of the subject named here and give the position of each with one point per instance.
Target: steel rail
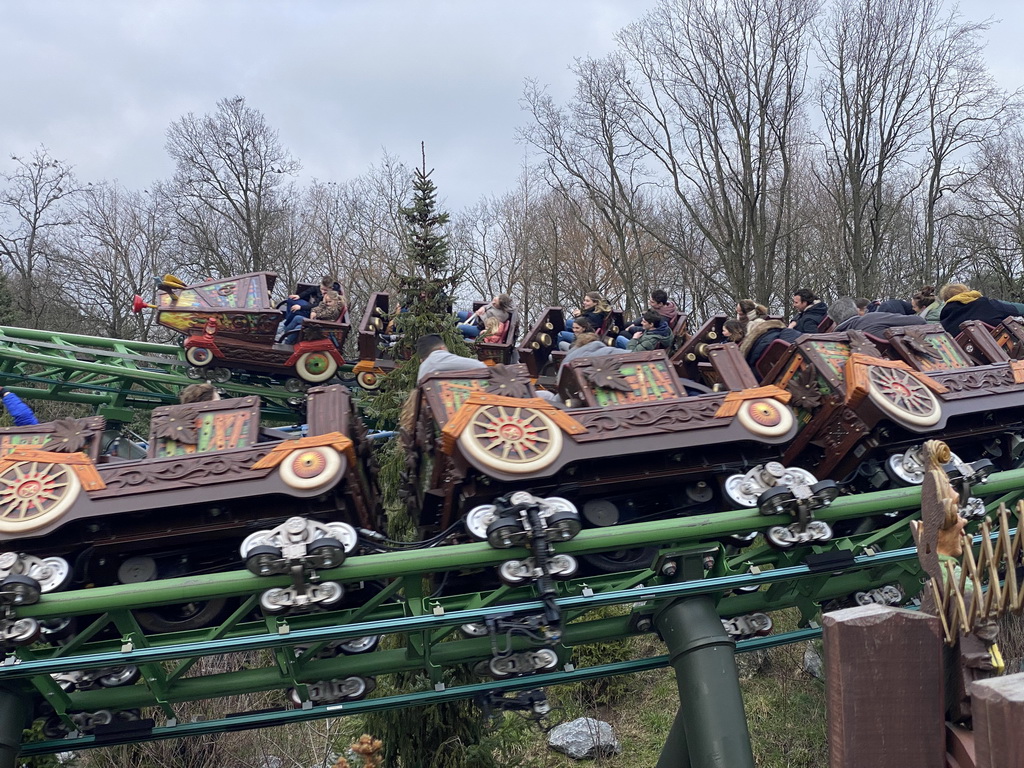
(249, 721)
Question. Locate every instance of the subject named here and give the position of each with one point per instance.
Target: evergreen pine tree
(444, 735)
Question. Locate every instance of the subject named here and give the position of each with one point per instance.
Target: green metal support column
(13, 720)
(710, 730)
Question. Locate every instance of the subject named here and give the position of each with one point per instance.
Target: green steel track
(422, 631)
(116, 377)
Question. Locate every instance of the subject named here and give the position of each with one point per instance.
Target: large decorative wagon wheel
(902, 397)
(199, 356)
(315, 367)
(35, 493)
(511, 439)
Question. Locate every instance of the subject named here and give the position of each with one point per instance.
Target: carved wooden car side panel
(212, 475)
(642, 434)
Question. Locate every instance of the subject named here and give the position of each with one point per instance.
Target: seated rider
(434, 356)
(330, 309)
(660, 303)
(595, 308)
(758, 339)
(302, 303)
(199, 393)
(654, 333)
(567, 339)
(493, 332)
(472, 323)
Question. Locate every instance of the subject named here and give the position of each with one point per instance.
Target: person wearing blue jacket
(23, 415)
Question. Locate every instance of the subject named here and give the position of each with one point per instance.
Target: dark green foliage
(425, 296)
(8, 311)
(446, 735)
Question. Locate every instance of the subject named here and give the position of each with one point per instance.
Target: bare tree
(591, 160)
(227, 186)
(32, 209)
(965, 109)
(715, 92)
(874, 100)
(356, 228)
(992, 226)
(117, 241)
(497, 241)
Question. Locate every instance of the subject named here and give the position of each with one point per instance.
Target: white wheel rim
(345, 534)
(734, 490)
(34, 494)
(478, 519)
(310, 468)
(53, 574)
(765, 417)
(199, 356)
(902, 397)
(511, 439)
(368, 380)
(330, 367)
(253, 540)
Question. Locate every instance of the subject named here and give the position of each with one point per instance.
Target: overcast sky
(99, 81)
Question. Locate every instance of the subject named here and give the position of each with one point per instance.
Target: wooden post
(885, 703)
(998, 708)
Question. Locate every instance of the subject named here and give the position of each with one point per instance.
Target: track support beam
(14, 718)
(710, 729)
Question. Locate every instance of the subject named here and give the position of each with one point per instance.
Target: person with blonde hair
(962, 304)
(594, 308)
(472, 323)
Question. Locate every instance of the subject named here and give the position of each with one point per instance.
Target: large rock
(584, 738)
(813, 665)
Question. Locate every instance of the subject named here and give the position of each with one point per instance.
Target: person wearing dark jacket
(844, 314)
(971, 305)
(757, 341)
(594, 309)
(22, 414)
(654, 334)
(895, 307)
(302, 303)
(810, 311)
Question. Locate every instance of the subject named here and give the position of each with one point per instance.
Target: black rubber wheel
(22, 590)
(329, 550)
(766, 501)
(258, 554)
(504, 528)
(183, 617)
(825, 490)
(623, 560)
(568, 522)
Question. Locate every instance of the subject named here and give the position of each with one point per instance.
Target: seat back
(775, 352)
(210, 427)
(927, 347)
(535, 351)
(500, 351)
(57, 436)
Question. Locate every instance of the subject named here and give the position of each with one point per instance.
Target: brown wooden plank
(884, 693)
(997, 705)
